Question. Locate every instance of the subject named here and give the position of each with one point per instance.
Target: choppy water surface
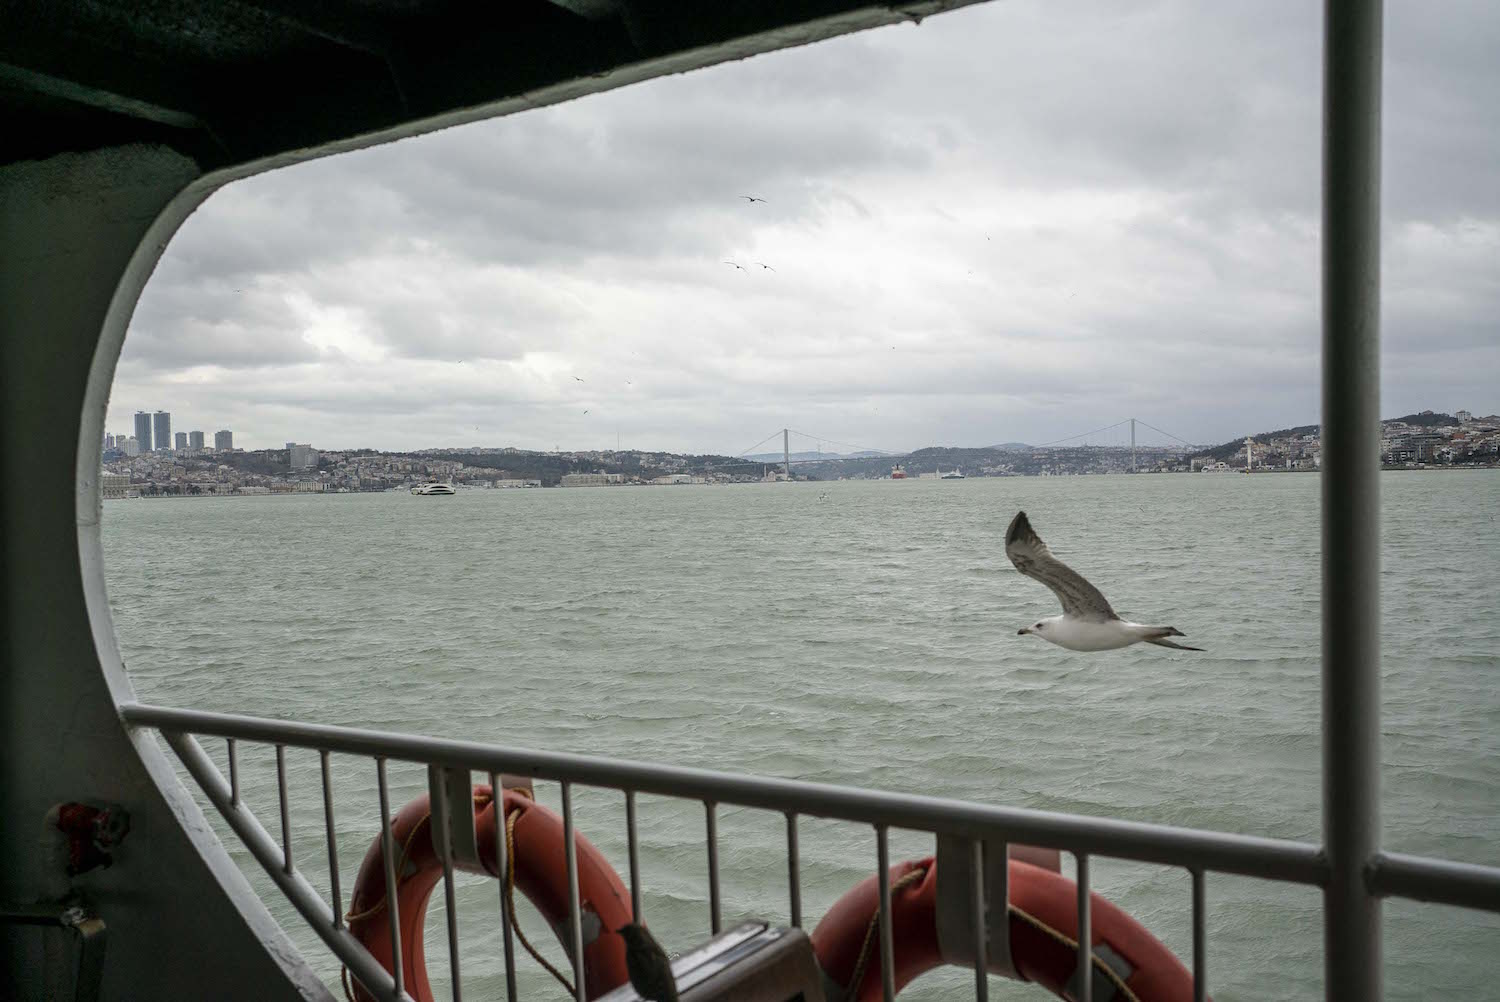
(869, 638)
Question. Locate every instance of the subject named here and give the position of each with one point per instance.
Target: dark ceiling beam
(96, 97)
(62, 64)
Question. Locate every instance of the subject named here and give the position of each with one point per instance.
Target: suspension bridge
(1127, 433)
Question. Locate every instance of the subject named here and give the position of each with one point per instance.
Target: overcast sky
(1013, 222)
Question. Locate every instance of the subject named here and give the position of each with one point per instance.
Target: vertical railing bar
(333, 845)
(442, 816)
(1000, 906)
(1085, 976)
(234, 774)
(981, 961)
(711, 824)
(286, 827)
(887, 943)
(1350, 510)
(502, 861)
(575, 922)
(635, 857)
(388, 839)
(1200, 939)
(793, 870)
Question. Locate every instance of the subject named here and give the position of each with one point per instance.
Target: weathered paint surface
(81, 233)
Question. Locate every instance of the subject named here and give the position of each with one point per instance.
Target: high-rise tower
(161, 430)
(143, 431)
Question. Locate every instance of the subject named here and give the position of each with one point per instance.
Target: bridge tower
(786, 452)
(1132, 445)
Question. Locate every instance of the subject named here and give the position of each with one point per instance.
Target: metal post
(793, 870)
(1351, 498)
(711, 816)
(575, 919)
(333, 844)
(887, 934)
(635, 858)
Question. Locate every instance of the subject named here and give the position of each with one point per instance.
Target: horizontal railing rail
(1197, 851)
(1467, 885)
(1224, 852)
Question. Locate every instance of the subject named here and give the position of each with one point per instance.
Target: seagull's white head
(1040, 627)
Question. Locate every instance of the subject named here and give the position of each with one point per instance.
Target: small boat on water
(953, 474)
(897, 473)
(432, 488)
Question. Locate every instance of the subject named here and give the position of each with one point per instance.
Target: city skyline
(1149, 438)
(153, 430)
(934, 261)
(1414, 441)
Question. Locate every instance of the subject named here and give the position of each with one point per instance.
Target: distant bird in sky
(579, 378)
(585, 412)
(752, 198)
(647, 964)
(1087, 622)
(737, 265)
(629, 383)
(766, 266)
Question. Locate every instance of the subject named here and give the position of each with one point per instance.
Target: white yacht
(432, 488)
(953, 474)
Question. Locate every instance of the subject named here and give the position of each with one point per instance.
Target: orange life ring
(540, 873)
(1043, 937)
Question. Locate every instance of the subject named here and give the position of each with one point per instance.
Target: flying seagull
(579, 378)
(766, 266)
(752, 198)
(1087, 622)
(736, 264)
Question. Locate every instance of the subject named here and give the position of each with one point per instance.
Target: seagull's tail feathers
(1161, 633)
(1176, 647)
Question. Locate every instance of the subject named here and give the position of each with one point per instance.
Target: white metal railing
(1199, 852)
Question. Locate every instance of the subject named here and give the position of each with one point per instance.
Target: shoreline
(399, 490)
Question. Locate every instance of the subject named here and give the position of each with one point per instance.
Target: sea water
(856, 632)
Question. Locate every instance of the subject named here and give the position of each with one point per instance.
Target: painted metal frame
(1351, 494)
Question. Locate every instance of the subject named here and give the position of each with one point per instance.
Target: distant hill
(1428, 419)
(1011, 447)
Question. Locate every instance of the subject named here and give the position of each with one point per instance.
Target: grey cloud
(1058, 217)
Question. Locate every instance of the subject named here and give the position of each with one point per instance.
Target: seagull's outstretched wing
(1032, 558)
